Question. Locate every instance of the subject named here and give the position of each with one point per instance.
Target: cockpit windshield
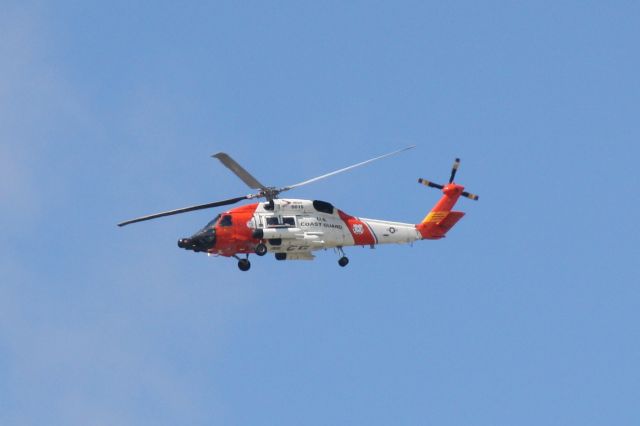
(211, 224)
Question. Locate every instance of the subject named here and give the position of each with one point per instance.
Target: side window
(323, 206)
(272, 221)
(226, 220)
(289, 221)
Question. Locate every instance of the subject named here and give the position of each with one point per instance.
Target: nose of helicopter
(202, 241)
(184, 243)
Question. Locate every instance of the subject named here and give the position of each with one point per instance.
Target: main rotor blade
(186, 209)
(239, 171)
(454, 170)
(286, 188)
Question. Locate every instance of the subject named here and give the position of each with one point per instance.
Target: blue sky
(526, 314)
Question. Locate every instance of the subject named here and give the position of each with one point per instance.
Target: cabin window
(323, 206)
(272, 221)
(289, 221)
(226, 220)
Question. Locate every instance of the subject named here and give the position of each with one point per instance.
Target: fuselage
(295, 227)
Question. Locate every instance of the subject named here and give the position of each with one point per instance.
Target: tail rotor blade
(454, 170)
(470, 196)
(430, 184)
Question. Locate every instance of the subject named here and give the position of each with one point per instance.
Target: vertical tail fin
(441, 219)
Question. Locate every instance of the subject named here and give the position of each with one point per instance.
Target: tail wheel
(343, 261)
(261, 249)
(281, 256)
(244, 264)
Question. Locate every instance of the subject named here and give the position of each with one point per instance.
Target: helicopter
(292, 229)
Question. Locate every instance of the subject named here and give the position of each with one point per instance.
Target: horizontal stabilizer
(437, 224)
(451, 219)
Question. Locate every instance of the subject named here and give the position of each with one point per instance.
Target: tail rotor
(454, 170)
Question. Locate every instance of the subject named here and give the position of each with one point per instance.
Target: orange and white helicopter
(293, 229)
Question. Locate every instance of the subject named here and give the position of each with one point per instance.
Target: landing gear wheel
(261, 249)
(343, 261)
(244, 264)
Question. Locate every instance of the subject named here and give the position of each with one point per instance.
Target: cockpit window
(213, 222)
(272, 221)
(226, 220)
(211, 225)
(290, 221)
